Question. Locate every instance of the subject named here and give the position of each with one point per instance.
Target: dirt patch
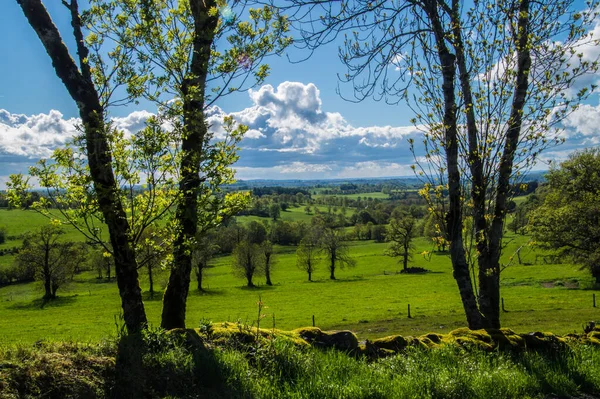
(560, 284)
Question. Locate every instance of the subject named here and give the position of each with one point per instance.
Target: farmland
(371, 299)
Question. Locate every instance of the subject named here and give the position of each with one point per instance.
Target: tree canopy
(568, 220)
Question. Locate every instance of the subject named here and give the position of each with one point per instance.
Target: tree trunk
(454, 216)
(268, 270)
(489, 263)
(249, 279)
(150, 280)
(81, 88)
(268, 276)
(199, 277)
(332, 269)
(596, 273)
(195, 129)
(47, 287)
(310, 276)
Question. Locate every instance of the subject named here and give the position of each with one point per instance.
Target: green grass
(370, 299)
(159, 364)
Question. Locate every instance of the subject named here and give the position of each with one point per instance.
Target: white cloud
(290, 136)
(34, 136)
(584, 123)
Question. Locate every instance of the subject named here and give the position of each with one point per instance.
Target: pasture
(371, 299)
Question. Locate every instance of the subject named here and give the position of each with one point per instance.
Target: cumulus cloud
(34, 136)
(290, 118)
(290, 136)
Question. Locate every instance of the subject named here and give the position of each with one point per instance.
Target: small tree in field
(204, 251)
(248, 261)
(307, 254)
(400, 233)
(274, 211)
(266, 248)
(53, 261)
(101, 262)
(336, 250)
(151, 251)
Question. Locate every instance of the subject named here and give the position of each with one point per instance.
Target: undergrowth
(185, 364)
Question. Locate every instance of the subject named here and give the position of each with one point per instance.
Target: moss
(435, 338)
(394, 343)
(341, 340)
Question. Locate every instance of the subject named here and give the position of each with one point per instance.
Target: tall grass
(159, 364)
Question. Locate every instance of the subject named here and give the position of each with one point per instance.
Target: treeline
(291, 191)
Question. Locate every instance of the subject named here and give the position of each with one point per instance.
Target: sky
(300, 127)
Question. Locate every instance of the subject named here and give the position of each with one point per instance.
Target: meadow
(371, 299)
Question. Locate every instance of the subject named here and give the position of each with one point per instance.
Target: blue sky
(300, 127)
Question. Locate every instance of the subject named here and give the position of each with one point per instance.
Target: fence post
(409, 316)
(504, 310)
(313, 320)
(594, 299)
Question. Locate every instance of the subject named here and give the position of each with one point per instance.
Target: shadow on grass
(156, 296)
(207, 292)
(258, 288)
(337, 280)
(176, 364)
(40, 303)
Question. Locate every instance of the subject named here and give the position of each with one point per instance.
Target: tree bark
(199, 277)
(81, 88)
(268, 269)
(195, 129)
(151, 280)
(454, 216)
(489, 260)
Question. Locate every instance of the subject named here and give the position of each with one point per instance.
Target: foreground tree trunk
(460, 265)
(195, 129)
(81, 88)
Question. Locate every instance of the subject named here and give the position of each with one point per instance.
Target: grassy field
(371, 299)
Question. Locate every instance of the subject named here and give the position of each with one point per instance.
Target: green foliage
(569, 218)
(400, 234)
(179, 365)
(156, 56)
(49, 260)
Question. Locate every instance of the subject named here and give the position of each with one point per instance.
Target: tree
(400, 233)
(52, 260)
(204, 251)
(257, 232)
(519, 220)
(568, 220)
(2, 234)
(161, 60)
(489, 82)
(274, 211)
(101, 262)
(434, 228)
(248, 261)
(151, 252)
(336, 250)
(80, 84)
(307, 254)
(267, 253)
(176, 47)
